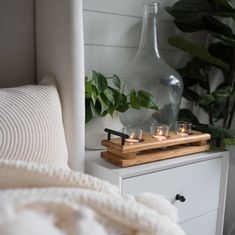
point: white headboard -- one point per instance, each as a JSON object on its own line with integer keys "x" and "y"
{"x": 38, "y": 37}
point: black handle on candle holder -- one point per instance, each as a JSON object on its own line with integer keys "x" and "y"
{"x": 117, "y": 133}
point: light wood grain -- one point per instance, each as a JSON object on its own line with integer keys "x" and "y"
{"x": 151, "y": 143}
{"x": 123, "y": 155}
{"x": 153, "y": 155}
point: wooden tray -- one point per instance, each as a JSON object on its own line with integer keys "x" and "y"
{"x": 151, "y": 150}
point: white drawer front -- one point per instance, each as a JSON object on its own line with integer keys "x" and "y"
{"x": 199, "y": 183}
{"x": 203, "y": 225}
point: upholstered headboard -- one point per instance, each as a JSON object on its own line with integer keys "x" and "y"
{"x": 38, "y": 37}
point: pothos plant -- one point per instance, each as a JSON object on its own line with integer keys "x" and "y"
{"x": 105, "y": 95}
{"x": 219, "y": 103}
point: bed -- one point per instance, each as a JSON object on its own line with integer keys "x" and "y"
{"x": 43, "y": 189}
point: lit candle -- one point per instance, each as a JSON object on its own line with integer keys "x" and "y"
{"x": 159, "y": 132}
{"x": 182, "y": 132}
{"x": 159, "y": 137}
{"x": 183, "y": 128}
{"x": 132, "y": 140}
{"x": 135, "y": 135}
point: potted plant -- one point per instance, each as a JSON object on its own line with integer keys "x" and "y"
{"x": 104, "y": 98}
{"x": 217, "y": 56}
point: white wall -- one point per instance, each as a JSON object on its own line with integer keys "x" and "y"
{"x": 112, "y": 33}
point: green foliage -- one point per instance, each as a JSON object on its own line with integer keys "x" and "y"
{"x": 196, "y": 50}
{"x": 102, "y": 98}
{"x": 208, "y": 15}
{"x": 188, "y": 116}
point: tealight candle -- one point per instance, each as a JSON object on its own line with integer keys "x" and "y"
{"x": 159, "y": 131}
{"x": 183, "y": 128}
{"x": 135, "y": 135}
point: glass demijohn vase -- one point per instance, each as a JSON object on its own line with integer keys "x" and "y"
{"x": 150, "y": 73}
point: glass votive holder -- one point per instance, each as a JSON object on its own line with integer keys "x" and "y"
{"x": 159, "y": 131}
{"x": 135, "y": 134}
{"x": 183, "y": 128}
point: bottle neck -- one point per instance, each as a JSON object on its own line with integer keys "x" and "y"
{"x": 149, "y": 37}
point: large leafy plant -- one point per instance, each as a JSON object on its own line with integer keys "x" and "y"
{"x": 105, "y": 95}
{"x": 208, "y": 15}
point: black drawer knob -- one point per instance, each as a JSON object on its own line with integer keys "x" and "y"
{"x": 180, "y": 198}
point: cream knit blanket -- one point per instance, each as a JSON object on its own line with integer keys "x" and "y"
{"x": 80, "y": 204}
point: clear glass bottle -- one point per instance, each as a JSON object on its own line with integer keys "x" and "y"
{"x": 149, "y": 72}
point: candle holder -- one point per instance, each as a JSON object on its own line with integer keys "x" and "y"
{"x": 183, "y": 128}
{"x": 136, "y": 151}
{"x": 159, "y": 131}
{"x": 135, "y": 134}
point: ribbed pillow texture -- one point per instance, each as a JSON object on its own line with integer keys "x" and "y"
{"x": 31, "y": 127}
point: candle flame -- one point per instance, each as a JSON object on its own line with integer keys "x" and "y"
{"x": 160, "y": 132}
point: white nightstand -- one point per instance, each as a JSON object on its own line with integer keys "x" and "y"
{"x": 199, "y": 180}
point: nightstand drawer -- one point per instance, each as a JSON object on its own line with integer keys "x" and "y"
{"x": 203, "y": 225}
{"x": 198, "y": 183}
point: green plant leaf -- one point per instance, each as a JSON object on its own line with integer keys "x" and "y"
{"x": 213, "y": 25}
{"x": 187, "y": 115}
{"x": 229, "y": 141}
{"x": 222, "y": 51}
{"x": 116, "y": 81}
{"x": 134, "y": 101}
{"x": 190, "y": 95}
{"x": 226, "y": 40}
{"x": 222, "y": 93}
{"x": 197, "y": 51}
{"x": 232, "y": 98}
{"x": 94, "y": 94}
{"x": 109, "y": 95}
{"x": 190, "y": 10}
{"x": 193, "y": 72}
{"x": 102, "y": 99}
{"x": 100, "y": 81}
{"x": 146, "y": 100}
{"x": 95, "y": 109}
{"x": 88, "y": 114}
{"x": 117, "y": 100}
{"x": 190, "y": 15}
{"x": 88, "y": 89}
{"x": 103, "y": 103}
{"x": 206, "y": 100}
{"x": 216, "y": 132}
{"x": 219, "y": 109}
{"x": 123, "y": 104}
{"x": 225, "y": 6}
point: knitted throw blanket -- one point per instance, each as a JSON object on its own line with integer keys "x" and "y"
{"x": 36, "y": 199}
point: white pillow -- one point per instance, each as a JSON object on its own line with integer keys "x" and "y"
{"x": 31, "y": 127}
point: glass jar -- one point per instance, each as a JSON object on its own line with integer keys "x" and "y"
{"x": 149, "y": 72}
